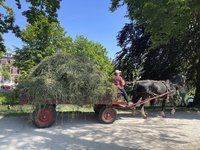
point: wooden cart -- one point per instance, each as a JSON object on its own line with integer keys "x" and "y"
{"x": 45, "y": 115}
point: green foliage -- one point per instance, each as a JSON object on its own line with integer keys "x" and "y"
{"x": 42, "y": 39}
{"x": 8, "y": 98}
{"x": 170, "y": 21}
{"x": 66, "y": 77}
{"x": 38, "y": 8}
{"x": 166, "y": 19}
{"x": 95, "y": 52}
{"x": 5, "y": 71}
{"x": 7, "y": 24}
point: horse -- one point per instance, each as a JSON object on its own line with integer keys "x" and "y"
{"x": 151, "y": 88}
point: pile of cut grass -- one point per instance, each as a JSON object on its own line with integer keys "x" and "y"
{"x": 67, "y": 77}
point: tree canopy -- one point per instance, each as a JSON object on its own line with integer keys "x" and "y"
{"x": 95, "y": 52}
{"x": 166, "y": 19}
{"x": 174, "y": 28}
{"x": 41, "y": 39}
{"x": 38, "y": 8}
{"x": 7, "y": 21}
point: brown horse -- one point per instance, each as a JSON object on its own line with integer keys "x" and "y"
{"x": 150, "y": 88}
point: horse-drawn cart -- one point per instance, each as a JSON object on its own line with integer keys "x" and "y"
{"x": 46, "y": 115}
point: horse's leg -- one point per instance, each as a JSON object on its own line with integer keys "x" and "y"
{"x": 163, "y": 107}
{"x": 142, "y": 106}
{"x": 134, "y": 108}
{"x": 142, "y": 111}
{"x": 133, "y": 111}
{"x": 173, "y": 102}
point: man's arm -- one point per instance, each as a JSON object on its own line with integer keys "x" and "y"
{"x": 122, "y": 82}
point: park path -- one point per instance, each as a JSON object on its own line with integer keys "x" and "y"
{"x": 85, "y": 132}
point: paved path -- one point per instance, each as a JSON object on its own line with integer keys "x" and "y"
{"x": 85, "y": 132}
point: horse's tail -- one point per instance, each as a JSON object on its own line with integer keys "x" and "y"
{"x": 135, "y": 92}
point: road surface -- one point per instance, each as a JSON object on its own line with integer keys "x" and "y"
{"x": 85, "y": 132}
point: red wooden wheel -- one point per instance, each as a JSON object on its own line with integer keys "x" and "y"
{"x": 44, "y": 116}
{"x": 107, "y": 114}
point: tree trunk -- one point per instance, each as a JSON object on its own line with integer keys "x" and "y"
{"x": 197, "y": 93}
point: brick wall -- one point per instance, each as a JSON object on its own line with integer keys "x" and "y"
{"x": 8, "y": 59}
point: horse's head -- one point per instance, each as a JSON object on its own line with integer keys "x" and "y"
{"x": 182, "y": 79}
{"x": 179, "y": 79}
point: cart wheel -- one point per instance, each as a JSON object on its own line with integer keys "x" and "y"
{"x": 107, "y": 115}
{"x": 96, "y": 109}
{"x": 44, "y": 117}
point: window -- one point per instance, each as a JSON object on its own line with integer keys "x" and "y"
{"x": 9, "y": 54}
{"x": 2, "y": 80}
{"x": 7, "y": 80}
{"x": 11, "y": 70}
{"x": 16, "y": 80}
{"x": 17, "y": 71}
{"x": 0, "y": 61}
{"x": 8, "y": 61}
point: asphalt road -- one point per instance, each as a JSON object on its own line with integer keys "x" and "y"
{"x": 85, "y": 132}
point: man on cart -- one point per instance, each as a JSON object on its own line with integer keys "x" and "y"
{"x": 119, "y": 83}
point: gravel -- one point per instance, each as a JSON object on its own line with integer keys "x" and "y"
{"x": 85, "y": 132}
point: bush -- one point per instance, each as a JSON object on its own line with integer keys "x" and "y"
{"x": 8, "y": 98}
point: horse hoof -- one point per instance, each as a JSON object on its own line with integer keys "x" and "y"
{"x": 171, "y": 114}
{"x": 145, "y": 117}
{"x": 164, "y": 116}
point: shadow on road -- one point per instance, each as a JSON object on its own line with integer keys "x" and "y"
{"x": 85, "y": 132}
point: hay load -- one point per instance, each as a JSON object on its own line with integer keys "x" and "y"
{"x": 66, "y": 77}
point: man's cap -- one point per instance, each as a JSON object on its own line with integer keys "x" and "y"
{"x": 117, "y": 71}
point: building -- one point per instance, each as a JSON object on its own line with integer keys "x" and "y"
{"x": 14, "y": 71}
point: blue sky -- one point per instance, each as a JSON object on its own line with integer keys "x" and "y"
{"x": 90, "y": 18}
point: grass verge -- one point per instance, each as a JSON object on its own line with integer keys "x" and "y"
{"x": 25, "y": 110}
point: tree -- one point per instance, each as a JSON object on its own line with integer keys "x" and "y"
{"x": 5, "y": 71}
{"x": 7, "y": 24}
{"x": 95, "y": 52}
{"x": 132, "y": 56}
{"x": 169, "y": 20}
{"x": 40, "y": 8}
{"x": 41, "y": 39}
